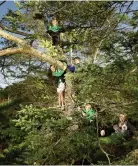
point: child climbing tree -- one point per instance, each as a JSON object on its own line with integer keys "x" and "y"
{"x": 60, "y": 90}
{"x": 54, "y": 30}
{"x": 109, "y": 89}
{"x": 88, "y": 112}
{"x": 59, "y": 74}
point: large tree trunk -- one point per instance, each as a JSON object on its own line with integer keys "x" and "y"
{"x": 69, "y": 101}
{"x": 26, "y": 49}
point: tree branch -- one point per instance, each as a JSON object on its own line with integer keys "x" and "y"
{"x": 27, "y": 49}
{"x": 11, "y": 51}
{"x": 99, "y": 143}
{"x": 14, "y": 31}
{"x": 12, "y": 38}
{"x": 2, "y": 3}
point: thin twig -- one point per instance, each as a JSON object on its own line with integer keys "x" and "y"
{"x": 2, "y": 3}
{"x": 106, "y": 154}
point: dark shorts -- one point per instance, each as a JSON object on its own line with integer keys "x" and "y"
{"x": 55, "y": 37}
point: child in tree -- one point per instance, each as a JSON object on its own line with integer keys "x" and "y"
{"x": 59, "y": 73}
{"x": 60, "y": 90}
{"x": 76, "y": 64}
{"x": 88, "y": 112}
{"x": 54, "y": 31}
{"x": 77, "y": 60}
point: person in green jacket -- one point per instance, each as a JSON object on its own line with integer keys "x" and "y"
{"x": 54, "y": 30}
{"x": 88, "y": 112}
{"x": 59, "y": 74}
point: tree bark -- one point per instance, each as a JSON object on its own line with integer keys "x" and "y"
{"x": 11, "y": 51}
{"x": 69, "y": 101}
{"x": 14, "y": 31}
{"x": 27, "y": 50}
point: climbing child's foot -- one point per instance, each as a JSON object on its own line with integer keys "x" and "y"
{"x": 62, "y": 107}
{"x": 58, "y": 106}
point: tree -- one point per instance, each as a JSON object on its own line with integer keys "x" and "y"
{"x": 111, "y": 86}
{"x": 99, "y": 24}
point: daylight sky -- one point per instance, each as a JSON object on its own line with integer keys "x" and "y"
{"x": 11, "y": 5}
{"x": 3, "y": 10}
{"x": 5, "y": 6}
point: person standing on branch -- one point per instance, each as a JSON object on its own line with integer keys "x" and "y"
{"x": 54, "y": 30}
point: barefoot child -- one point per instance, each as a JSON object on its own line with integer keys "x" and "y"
{"x": 60, "y": 90}
{"x": 59, "y": 74}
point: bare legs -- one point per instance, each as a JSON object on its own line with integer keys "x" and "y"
{"x": 60, "y": 98}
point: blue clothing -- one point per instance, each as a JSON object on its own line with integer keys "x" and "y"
{"x": 71, "y": 68}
